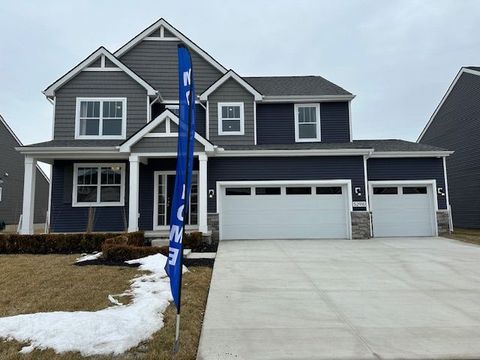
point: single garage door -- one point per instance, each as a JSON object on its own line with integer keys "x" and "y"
{"x": 284, "y": 211}
{"x": 403, "y": 209}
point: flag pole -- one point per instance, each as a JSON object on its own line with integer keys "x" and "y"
{"x": 176, "y": 345}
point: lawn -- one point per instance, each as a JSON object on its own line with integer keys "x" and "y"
{"x": 468, "y": 235}
{"x": 34, "y": 283}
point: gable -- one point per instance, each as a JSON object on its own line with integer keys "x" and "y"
{"x": 156, "y": 61}
{"x": 228, "y": 78}
{"x": 100, "y": 60}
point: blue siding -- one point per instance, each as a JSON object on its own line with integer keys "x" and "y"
{"x": 66, "y": 218}
{"x": 408, "y": 169}
{"x": 286, "y": 168}
{"x": 276, "y": 123}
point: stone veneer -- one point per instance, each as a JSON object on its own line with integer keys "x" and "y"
{"x": 443, "y": 222}
{"x": 212, "y": 223}
{"x": 361, "y": 225}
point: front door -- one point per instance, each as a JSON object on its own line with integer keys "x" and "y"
{"x": 163, "y": 194}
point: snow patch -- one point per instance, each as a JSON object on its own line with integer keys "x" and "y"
{"x": 113, "y": 330}
{"x": 88, "y": 257}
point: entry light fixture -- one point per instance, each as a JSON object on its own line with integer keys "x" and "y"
{"x": 358, "y": 191}
{"x": 211, "y": 193}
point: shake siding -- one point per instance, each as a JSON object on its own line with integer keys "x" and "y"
{"x": 409, "y": 169}
{"x": 285, "y": 168}
{"x": 231, "y": 91}
{"x": 156, "y": 62}
{"x": 276, "y": 123}
{"x": 161, "y": 144}
{"x": 457, "y": 127}
{"x": 99, "y": 84}
{"x": 65, "y": 218}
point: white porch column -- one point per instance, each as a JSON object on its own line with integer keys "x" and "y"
{"x": 202, "y": 193}
{"x": 28, "y": 195}
{"x": 133, "y": 187}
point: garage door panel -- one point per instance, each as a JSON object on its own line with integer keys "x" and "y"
{"x": 283, "y": 216}
{"x": 403, "y": 214}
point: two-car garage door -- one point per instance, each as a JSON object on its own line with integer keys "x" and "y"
{"x": 290, "y": 210}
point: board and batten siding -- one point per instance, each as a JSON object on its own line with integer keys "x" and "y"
{"x": 456, "y": 127}
{"x": 99, "y": 84}
{"x": 286, "y": 168}
{"x": 231, "y": 91}
{"x": 276, "y": 123}
{"x": 156, "y": 62}
{"x": 383, "y": 169}
{"x": 66, "y": 218}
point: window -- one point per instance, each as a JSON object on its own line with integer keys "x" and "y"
{"x": 101, "y": 118}
{"x": 385, "y": 191}
{"x": 98, "y": 184}
{"x": 299, "y": 190}
{"x": 408, "y": 190}
{"x": 230, "y": 119}
{"x": 267, "y": 191}
{"x": 307, "y": 122}
{"x": 329, "y": 190}
{"x": 238, "y": 191}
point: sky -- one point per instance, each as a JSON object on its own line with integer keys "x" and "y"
{"x": 397, "y": 57}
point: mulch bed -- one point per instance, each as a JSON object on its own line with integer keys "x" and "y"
{"x": 186, "y": 262}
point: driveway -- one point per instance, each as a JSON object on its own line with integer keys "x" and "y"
{"x": 408, "y": 298}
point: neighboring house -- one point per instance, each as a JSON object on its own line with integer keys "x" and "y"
{"x": 274, "y": 156}
{"x": 455, "y": 124}
{"x": 11, "y": 182}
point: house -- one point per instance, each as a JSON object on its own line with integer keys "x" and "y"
{"x": 11, "y": 183}
{"x": 455, "y": 125}
{"x": 274, "y": 156}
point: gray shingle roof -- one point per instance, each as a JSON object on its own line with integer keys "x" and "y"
{"x": 77, "y": 143}
{"x": 294, "y": 85}
{"x": 476, "y": 68}
{"x": 392, "y": 145}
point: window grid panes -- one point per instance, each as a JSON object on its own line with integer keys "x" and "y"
{"x": 307, "y": 122}
{"x": 99, "y": 184}
{"x": 102, "y": 118}
{"x": 231, "y": 117}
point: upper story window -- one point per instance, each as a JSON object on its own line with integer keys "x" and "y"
{"x": 307, "y": 122}
{"x": 104, "y": 118}
{"x": 231, "y": 119}
{"x": 98, "y": 184}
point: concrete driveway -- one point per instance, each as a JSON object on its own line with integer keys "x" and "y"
{"x": 403, "y": 298}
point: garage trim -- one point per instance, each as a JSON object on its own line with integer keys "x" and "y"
{"x": 341, "y": 182}
{"x": 432, "y": 183}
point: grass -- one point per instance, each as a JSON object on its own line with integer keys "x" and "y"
{"x": 34, "y": 283}
{"x": 467, "y": 235}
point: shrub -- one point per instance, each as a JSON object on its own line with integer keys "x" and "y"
{"x": 61, "y": 243}
{"x": 124, "y": 252}
{"x": 192, "y": 240}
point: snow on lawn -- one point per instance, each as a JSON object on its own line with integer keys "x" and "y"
{"x": 88, "y": 257}
{"x": 111, "y": 330}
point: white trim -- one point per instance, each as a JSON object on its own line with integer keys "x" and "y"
{"x": 365, "y": 179}
{"x": 399, "y": 183}
{"x": 207, "y": 122}
{"x": 98, "y": 203}
{"x": 53, "y": 117}
{"x": 347, "y": 183}
{"x": 49, "y": 211}
{"x": 306, "y": 98}
{"x": 202, "y": 193}
{"x": 133, "y": 193}
{"x": 308, "y": 152}
{"x": 28, "y": 208}
{"x": 149, "y": 110}
{"x": 153, "y": 38}
{"x": 50, "y": 91}
{"x": 230, "y": 74}
{"x": 350, "y": 119}
{"x": 99, "y": 136}
{"x": 175, "y": 32}
{"x": 220, "y": 105}
{"x": 126, "y": 146}
{"x": 255, "y": 122}
{"x": 102, "y": 61}
{"x": 444, "y": 98}
{"x": 400, "y": 154}
{"x": 106, "y": 69}
{"x": 447, "y": 196}
{"x": 318, "y": 138}
{"x": 162, "y": 32}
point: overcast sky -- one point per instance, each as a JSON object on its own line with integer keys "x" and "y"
{"x": 398, "y": 57}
